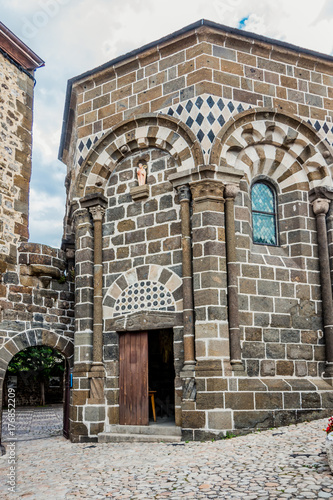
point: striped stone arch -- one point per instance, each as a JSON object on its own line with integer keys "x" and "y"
{"x": 145, "y": 288}
{"x": 279, "y": 146}
{"x": 33, "y": 338}
{"x": 153, "y": 130}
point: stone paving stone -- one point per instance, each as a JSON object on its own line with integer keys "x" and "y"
{"x": 287, "y": 464}
{"x": 34, "y": 422}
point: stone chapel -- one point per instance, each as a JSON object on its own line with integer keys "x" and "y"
{"x": 203, "y": 294}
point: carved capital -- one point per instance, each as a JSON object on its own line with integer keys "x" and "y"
{"x": 184, "y": 192}
{"x": 70, "y": 253}
{"x": 321, "y": 206}
{"x": 207, "y": 189}
{"x": 80, "y": 216}
{"x": 321, "y": 192}
{"x": 231, "y": 191}
{"x": 97, "y": 213}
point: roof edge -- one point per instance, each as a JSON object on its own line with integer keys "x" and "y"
{"x": 18, "y": 51}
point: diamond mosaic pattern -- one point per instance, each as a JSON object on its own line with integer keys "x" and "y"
{"x": 144, "y": 295}
{"x": 262, "y": 198}
{"x": 84, "y": 146}
{"x": 325, "y": 129}
{"x": 264, "y": 230}
{"x": 205, "y": 116}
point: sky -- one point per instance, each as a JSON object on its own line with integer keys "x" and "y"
{"x": 74, "y": 36}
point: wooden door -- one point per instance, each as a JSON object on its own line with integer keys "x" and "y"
{"x": 133, "y": 378}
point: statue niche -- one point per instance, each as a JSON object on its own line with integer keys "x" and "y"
{"x": 141, "y": 172}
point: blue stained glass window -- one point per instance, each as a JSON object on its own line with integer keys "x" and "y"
{"x": 264, "y": 224}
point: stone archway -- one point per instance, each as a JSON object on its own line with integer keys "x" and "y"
{"x": 168, "y": 293}
{"x": 32, "y": 338}
{"x": 153, "y": 130}
{"x": 279, "y": 146}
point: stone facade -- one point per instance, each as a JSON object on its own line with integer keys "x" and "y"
{"x": 36, "y": 296}
{"x": 15, "y": 151}
{"x": 211, "y": 111}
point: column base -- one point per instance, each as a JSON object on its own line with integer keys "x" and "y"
{"x": 328, "y": 373}
{"x": 97, "y": 376}
{"x": 97, "y": 370}
{"x": 237, "y": 366}
{"x": 187, "y": 371}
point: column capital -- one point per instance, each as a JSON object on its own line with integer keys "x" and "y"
{"x": 97, "y": 212}
{"x": 80, "y": 216}
{"x": 184, "y": 192}
{"x": 93, "y": 200}
{"x": 207, "y": 189}
{"x": 322, "y": 192}
{"x": 231, "y": 191}
{"x": 207, "y": 194}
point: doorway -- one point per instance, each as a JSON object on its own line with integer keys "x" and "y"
{"x": 37, "y": 382}
{"x": 146, "y": 367}
{"x": 161, "y": 374}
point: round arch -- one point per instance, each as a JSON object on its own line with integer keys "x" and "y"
{"x": 32, "y": 338}
{"x": 167, "y": 282}
{"x": 35, "y": 338}
{"x": 144, "y": 131}
{"x": 277, "y": 145}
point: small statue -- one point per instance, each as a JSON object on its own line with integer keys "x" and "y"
{"x": 141, "y": 172}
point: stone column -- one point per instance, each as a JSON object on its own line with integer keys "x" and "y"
{"x": 320, "y": 207}
{"x": 97, "y": 366}
{"x": 188, "y": 314}
{"x": 329, "y": 225}
{"x": 230, "y": 193}
{"x": 84, "y": 296}
{"x": 96, "y": 204}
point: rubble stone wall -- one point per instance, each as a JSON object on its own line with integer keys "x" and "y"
{"x": 15, "y": 158}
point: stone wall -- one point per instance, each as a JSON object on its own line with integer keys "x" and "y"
{"x": 202, "y": 78}
{"x": 15, "y": 153}
{"x": 28, "y": 390}
{"x": 36, "y": 305}
{"x": 211, "y": 112}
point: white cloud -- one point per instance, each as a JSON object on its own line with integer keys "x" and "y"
{"x": 79, "y": 35}
{"x": 47, "y": 212}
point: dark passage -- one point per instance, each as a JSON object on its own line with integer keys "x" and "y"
{"x": 161, "y": 373}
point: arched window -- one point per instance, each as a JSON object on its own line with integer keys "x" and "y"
{"x": 264, "y": 214}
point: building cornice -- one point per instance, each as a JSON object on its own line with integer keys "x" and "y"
{"x": 18, "y": 51}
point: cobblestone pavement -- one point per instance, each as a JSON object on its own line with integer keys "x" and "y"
{"x": 34, "y": 423}
{"x": 289, "y": 462}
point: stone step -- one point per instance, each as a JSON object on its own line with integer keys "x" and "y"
{"x": 114, "y": 437}
{"x": 153, "y": 429}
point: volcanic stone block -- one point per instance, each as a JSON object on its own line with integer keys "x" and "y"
{"x": 193, "y": 419}
{"x": 310, "y": 400}
{"x": 270, "y": 400}
{"x": 220, "y": 420}
{"x": 239, "y": 400}
{"x": 275, "y": 351}
{"x": 211, "y": 400}
{"x": 94, "y": 413}
{"x": 285, "y": 368}
{"x": 253, "y": 350}
{"x": 253, "y": 419}
{"x": 296, "y": 351}
{"x": 267, "y": 368}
